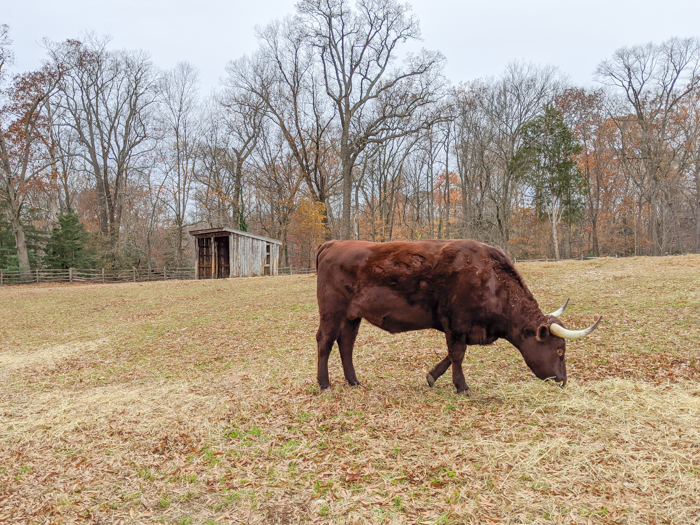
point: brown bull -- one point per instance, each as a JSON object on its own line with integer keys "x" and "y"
{"x": 466, "y": 289}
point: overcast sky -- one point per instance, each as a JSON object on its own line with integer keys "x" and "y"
{"x": 479, "y": 38}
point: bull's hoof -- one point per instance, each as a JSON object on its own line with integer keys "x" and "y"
{"x": 464, "y": 392}
{"x": 430, "y": 379}
{"x": 354, "y": 383}
{"x": 325, "y": 387}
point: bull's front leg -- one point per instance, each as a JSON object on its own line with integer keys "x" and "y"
{"x": 438, "y": 370}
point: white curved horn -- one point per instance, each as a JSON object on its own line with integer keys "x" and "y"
{"x": 557, "y": 313}
{"x": 562, "y": 332}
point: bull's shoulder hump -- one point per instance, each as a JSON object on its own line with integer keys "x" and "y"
{"x": 345, "y": 252}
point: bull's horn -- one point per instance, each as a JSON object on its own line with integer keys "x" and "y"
{"x": 562, "y": 332}
{"x": 557, "y": 313}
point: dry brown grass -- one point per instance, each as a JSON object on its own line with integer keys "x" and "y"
{"x": 195, "y": 402}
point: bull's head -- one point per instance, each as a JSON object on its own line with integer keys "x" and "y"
{"x": 545, "y": 350}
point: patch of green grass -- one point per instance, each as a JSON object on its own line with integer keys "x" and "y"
{"x": 303, "y": 417}
{"x": 146, "y": 474}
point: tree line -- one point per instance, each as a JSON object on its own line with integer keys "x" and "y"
{"x": 332, "y": 129}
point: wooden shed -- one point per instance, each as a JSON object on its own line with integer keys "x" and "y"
{"x": 225, "y": 252}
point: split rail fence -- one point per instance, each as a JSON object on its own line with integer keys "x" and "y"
{"x": 136, "y": 275}
{"x": 74, "y": 275}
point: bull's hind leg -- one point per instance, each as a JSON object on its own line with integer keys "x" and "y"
{"x": 326, "y": 336}
{"x": 456, "y": 346}
{"x": 346, "y": 343}
{"x": 438, "y": 370}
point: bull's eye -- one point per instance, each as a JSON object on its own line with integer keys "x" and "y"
{"x": 560, "y": 352}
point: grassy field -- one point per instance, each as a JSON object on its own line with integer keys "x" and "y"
{"x": 196, "y": 402}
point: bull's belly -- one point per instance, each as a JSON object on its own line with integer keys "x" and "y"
{"x": 391, "y": 312}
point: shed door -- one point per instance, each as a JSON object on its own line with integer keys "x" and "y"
{"x": 268, "y": 267}
{"x": 205, "y": 258}
{"x": 223, "y": 262}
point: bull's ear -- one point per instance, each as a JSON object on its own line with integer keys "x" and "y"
{"x": 542, "y": 332}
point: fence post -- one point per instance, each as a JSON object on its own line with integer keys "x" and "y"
{"x": 37, "y": 276}
{"x": 165, "y": 273}
{"x": 133, "y": 269}
{"x": 103, "y": 275}
{"x": 1, "y": 277}
{"x": 70, "y": 275}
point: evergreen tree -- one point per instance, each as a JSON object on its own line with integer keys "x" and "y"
{"x": 8, "y": 252}
{"x": 242, "y": 223}
{"x": 35, "y": 241}
{"x": 546, "y": 161}
{"x": 67, "y": 246}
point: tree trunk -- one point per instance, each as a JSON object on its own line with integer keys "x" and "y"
{"x": 326, "y": 214}
{"x": 653, "y": 223}
{"x": 431, "y": 201}
{"x": 21, "y": 244}
{"x": 447, "y": 185}
{"x": 346, "y": 162}
{"x": 238, "y": 193}
{"x": 555, "y": 240}
{"x": 465, "y": 210}
{"x": 638, "y": 227}
{"x": 697, "y": 212}
{"x": 594, "y": 234}
{"x": 554, "y": 218}
{"x": 18, "y": 231}
{"x": 15, "y": 209}
{"x": 504, "y": 218}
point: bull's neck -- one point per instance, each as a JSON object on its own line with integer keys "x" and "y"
{"x": 524, "y": 322}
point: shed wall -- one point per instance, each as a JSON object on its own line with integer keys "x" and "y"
{"x": 274, "y": 258}
{"x": 248, "y": 256}
{"x": 258, "y": 259}
{"x": 246, "y": 250}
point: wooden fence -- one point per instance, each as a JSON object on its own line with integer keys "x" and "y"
{"x": 74, "y": 275}
{"x": 292, "y": 270}
{"x": 136, "y": 275}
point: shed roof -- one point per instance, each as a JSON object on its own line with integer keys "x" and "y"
{"x": 209, "y": 231}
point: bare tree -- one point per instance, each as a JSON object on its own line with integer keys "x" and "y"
{"x": 690, "y": 125}
{"x": 586, "y": 114}
{"x": 381, "y": 183}
{"x": 215, "y": 181}
{"x": 278, "y": 182}
{"x": 473, "y": 138}
{"x": 283, "y": 76}
{"x": 180, "y": 120}
{"x": 509, "y": 104}
{"x": 357, "y": 48}
{"x": 7, "y": 57}
{"x": 23, "y": 131}
{"x": 243, "y": 117}
{"x": 107, "y": 97}
{"x": 653, "y": 80}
